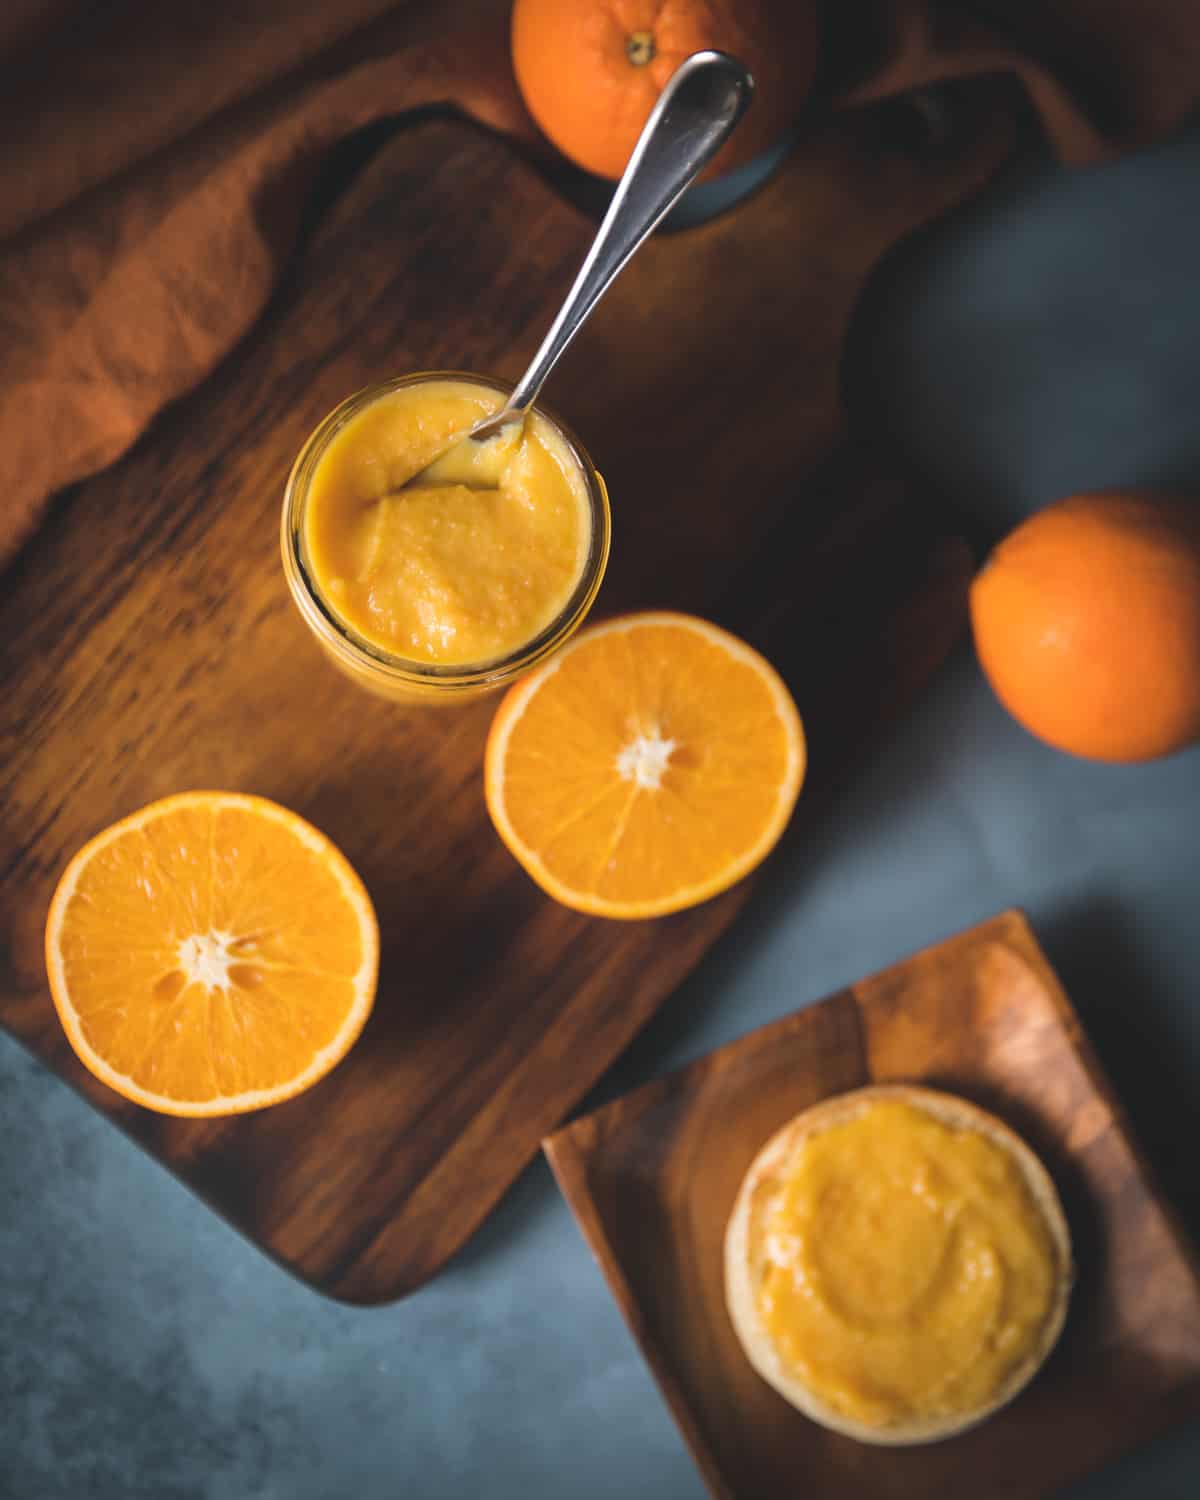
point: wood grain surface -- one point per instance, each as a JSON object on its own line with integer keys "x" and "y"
{"x": 652, "y": 1179}
{"x": 148, "y": 645}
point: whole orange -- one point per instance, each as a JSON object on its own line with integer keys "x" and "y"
{"x": 1087, "y": 624}
{"x": 591, "y": 70}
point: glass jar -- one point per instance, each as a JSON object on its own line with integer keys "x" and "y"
{"x": 372, "y": 666}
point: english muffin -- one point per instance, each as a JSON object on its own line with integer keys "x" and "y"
{"x": 897, "y": 1264}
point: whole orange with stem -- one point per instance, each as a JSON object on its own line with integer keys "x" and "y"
{"x": 1087, "y": 624}
{"x": 591, "y": 70}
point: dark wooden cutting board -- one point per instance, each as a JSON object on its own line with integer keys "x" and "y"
{"x": 148, "y": 645}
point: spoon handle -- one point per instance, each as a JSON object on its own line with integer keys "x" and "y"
{"x": 704, "y": 99}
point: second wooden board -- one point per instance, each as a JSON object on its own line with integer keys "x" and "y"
{"x": 652, "y": 1179}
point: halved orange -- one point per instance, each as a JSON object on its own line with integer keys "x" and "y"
{"x": 650, "y": 764}
{"x": 210, "y": 954}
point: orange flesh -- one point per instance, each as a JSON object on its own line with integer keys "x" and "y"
{"x": 668, "y": 759}
{"x": 208, "y": 953}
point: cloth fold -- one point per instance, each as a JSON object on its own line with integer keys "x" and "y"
{"x": 156, "y": 160}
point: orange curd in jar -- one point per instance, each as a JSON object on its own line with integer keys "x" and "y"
{"x": 450, "y": 583}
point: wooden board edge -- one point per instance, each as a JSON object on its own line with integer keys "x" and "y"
{"x": 553, "y": 1111}
{"x": 1008, "y": 926}
{"x": 569, "y": 1167}
{"x": 1023, "y": 939}
{"x": 685, "y": 1077}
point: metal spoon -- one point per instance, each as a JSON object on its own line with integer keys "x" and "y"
{"x": 704, "y": 99}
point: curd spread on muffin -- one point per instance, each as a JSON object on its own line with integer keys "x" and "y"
{"x": 906, "y": 1268}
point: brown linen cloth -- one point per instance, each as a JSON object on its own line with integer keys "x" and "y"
{"x": 154, "y": 160}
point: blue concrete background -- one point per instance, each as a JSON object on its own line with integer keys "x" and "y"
{"x": 1044, "y": 340}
